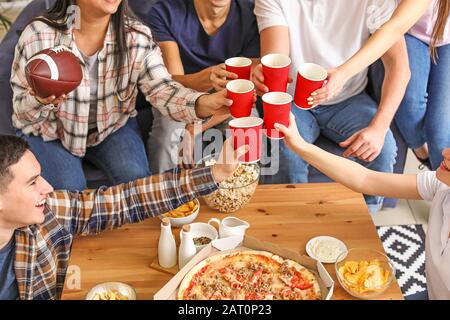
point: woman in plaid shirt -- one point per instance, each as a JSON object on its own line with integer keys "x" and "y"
{"x": 38, "y": 224}
{"x": 97, "y": 120}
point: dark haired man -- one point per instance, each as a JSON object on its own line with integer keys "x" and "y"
{"x": 37, "y": 224}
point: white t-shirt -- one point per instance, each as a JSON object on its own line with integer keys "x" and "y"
{"x": 326, "y": 32}
{"x": 437, "y": 252}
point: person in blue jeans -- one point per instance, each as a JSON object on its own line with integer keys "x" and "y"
{"x": 320, "y": 32}
{"x": 424, "y": 115}
{"x": 196, "y": 37}
{"x": 122, "y": 149}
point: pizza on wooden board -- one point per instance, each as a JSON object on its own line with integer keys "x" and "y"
{"x": 249, "y": 275}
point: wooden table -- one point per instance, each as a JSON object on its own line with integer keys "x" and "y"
{"x": 288, "y": 215}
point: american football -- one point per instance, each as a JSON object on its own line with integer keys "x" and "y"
{"x": 54, "y": 71}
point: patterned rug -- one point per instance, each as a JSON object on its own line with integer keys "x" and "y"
{"x": 405, "y": 246}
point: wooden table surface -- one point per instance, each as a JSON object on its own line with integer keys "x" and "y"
{"x": 287, "y": 215}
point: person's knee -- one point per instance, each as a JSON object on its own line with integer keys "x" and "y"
{"x": 412, "y": 101}
{"x": 75, "y": 181}
{"x": 79, "y": 185}
{"x": 166, "y": 130}
{"x": 132, "y": 172}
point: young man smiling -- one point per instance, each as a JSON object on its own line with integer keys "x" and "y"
{"x": 37, "y": 224}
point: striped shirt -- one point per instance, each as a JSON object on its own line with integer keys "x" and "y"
{"x": 143, "y": 69}
{"x": 43, "y": 251}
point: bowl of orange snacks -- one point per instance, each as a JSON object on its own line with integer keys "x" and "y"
{"x": 184, "y": 214}
{"x": 364, "y": 273}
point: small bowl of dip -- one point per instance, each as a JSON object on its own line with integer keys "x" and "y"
{"x": 326, "y": 249}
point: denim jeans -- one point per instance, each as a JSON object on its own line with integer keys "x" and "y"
{"x": 121, "y": 156}
{"x": 424, "y": 114}
{"x": 336, "y": 122}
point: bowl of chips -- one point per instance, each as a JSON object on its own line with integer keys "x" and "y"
{"x": 184, "y": 214}
{"x": 111, "y": 291}
{"x": 364, "y": 273}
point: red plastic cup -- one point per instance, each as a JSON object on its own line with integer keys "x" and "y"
{"x": 248, "y": 131}
{"x": 277, "y": 107}
{"x": 275, "y": 68}
{"x": 242, "y": 94}
{"x": 240, "y": 66}
{"x": 310, "y": 77}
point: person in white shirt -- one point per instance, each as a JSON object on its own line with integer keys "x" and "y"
{"x": 341, "y": 36}
{"x": 431, "y": 185}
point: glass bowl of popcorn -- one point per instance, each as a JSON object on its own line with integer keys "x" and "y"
{"x": 364, "y": 273}
{"x": 236, "y": 191}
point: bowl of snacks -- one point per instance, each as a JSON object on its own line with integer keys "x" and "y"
{"x": 184, "y": 214}
{"x": 236, "y": 191}
{"x": 202, "y": 234}
{"x": 111, "y": 291}
{"x": 364, "y": 273}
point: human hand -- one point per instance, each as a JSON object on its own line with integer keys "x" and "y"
{"x": 213, "y": 104}
{"x": 293, "y": 139}
{"x": 228, "y": 160}
{"x": 365, "y": 144}
{"x": 335, "y": 82}
{"x": 219, "y": 76}
{"x": 56, "y": 101}
{"x": 258, "y": 80}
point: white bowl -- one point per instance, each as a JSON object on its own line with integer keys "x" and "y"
{"x": 337, "y": 242}
{"x": 179, "y": 222}
{"x": 122, "y": 288}
{"x": 201, "y": 229}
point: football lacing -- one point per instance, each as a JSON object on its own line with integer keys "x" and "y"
{"x": 60, "y": 49}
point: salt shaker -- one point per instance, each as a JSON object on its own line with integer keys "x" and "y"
{"x": 187, "y": 247}
{"x": 167, "y": 248}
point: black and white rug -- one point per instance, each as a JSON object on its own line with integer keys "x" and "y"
{"x": 405, "y": 246}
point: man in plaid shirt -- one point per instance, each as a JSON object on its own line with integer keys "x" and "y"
{"x": 38, "y": 224}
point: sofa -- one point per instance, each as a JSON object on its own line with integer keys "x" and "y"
{"x": 96, "y": 177}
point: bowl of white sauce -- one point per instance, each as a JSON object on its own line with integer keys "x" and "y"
{"x": 326, "y": 249}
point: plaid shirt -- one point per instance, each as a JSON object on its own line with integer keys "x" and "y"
{"x": 43, "y": 251}
{"x": 143, "y": 69}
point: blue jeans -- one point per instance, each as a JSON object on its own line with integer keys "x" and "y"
{"x": 336, "y": 122}
{"x": 424, "y": 114}
{"x": 121, "y": 156}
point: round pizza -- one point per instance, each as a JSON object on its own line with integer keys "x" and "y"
{"x": 249, "y": 275}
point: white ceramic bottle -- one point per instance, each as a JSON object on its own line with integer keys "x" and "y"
{"x": 187, "y": 247}
{"x": 167, "y": 248}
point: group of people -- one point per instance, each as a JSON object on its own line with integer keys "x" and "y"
{"x": 174, "y": 55}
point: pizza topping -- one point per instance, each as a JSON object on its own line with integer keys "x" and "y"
{"x": 244, "y": 273}
{"x": 231, "y": 277}
{"x": 217, "y": 295}
{"x": 286, "y": 270}
{"x": 301, "y": 283}
{"x": 202, "y": 271}
{"x": 259, "y": 296}
{"x": 255, "y": 266}
{"x": 295, "y": 280}
{"x": 256, "y": 276}
{"x": 290, "y": 294}
{"x": 209, "y": 290}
